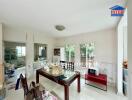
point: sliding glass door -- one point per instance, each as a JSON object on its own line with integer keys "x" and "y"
{"x": 70, "y": 53}
{"x": 86, "y": 53}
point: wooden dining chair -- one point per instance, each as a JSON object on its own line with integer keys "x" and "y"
{"x": 67, "y": 65}
{"x": 70, "y": 66}
{"x": 24, "y": 84}
{"x": 63, "y": 64}
{"x": 32, "y": 92}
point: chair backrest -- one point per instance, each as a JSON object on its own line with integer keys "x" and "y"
{"x": 34, "y": 92}
{"x": 70, "y": 66}
{"x": 63, "y": 64}
{"x": 67, "y": 65}
{"x": 24, "y": 84}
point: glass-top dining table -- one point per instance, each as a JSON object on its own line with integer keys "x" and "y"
{"x": 65, "y": 80}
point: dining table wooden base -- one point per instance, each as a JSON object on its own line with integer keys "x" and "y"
{"x": 64, "y": 82}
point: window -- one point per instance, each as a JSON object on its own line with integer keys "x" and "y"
{"x": 83, "y": 54}
{"x": 21, "y": 51}
{"x": 70, "y": 53}
{"x": 40, "y": 51}
{"x": 87, "y": 53}
{"x": 14, "y": 53}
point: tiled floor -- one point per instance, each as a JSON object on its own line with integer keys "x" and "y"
{"x": 87, "y": 92}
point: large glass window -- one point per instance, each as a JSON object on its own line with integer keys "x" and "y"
{"x": 87, "y": 53}
{"x": 40, "y": 51}
{"x": 21, "y": 51}
{"x": 83, "y": 54}
{"x": 15, "y": 53}
{"x": 70, "y": 53}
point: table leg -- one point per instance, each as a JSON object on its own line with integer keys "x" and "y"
{"x": 37, "y": 77}
{"x": 78, "y": 84}
{"x": 66, "y": 94}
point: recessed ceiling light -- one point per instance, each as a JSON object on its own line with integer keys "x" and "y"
{"x": 59, "y": 27}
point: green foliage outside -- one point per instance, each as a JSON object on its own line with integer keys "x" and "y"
{"x": 69, "y": 49}
{"x": 90, "y": 47}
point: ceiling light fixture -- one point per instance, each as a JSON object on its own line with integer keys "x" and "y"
{"x": 59, "y": 27}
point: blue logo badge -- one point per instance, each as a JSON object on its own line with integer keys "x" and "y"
{"x": 117, "y": 10}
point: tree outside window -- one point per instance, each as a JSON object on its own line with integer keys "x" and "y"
{"x": 87, "y": 53}
{"x": 70, "y": 53}
{"x": 21, "y": 51}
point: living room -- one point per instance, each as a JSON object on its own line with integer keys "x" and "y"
{"x": 92, "y": 44}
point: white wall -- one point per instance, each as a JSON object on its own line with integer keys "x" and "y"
{"x": 105, "y": 51}
{"x": 1, "y": 39}
{"x": 42, "y": 38}
{"x": 29, "y": 37}
{"x": 125, "y": 43}
{"x": 120, "y": 60}
{"x": 15, "y": 35}
{"x": 1, "y": 57}
{"x": 122, "y": 51}
{"x": 29, "y": 54}
{"x": 130, "y": 47}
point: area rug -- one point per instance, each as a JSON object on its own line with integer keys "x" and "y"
{"x": 12, "y": 86}
{"x": 52, "y": 92}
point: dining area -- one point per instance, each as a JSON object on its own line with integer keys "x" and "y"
{"x": 35, "y": 88}
{"x": 65, "y": 78}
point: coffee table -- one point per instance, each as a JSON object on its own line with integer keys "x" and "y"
{"x": 70, "y": 76}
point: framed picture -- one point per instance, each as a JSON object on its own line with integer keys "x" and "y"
{"x": 57, "y": 52}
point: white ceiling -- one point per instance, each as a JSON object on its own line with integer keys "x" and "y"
{"x": 78, "y": 16}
